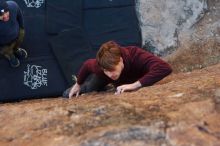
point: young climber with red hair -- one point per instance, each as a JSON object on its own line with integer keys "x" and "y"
{"x": 127, "y": 68}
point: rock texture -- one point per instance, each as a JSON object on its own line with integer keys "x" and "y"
{"x": 195, "y": 55}
{"x": 166, "y": 25}
{"x": 182, "y": 110}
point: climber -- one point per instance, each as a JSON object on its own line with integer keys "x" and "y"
{"x": 127, "y": 68}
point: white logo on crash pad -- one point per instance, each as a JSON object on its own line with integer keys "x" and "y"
{"x": 35, "y": 76}
{"x": 34, "y": 3}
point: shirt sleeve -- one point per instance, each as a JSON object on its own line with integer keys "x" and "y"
{"x": 85, "y": 71}
{"x": 152, "y": 67}
{"x": 20, "y": 18}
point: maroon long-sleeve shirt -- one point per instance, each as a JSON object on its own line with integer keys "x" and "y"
{"x": 139, "y": 65}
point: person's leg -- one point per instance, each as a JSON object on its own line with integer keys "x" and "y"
{"x": 19, "y": 39}
{"x": 94, "y": 83}
{"x": 20, "y": 52}
{"x": 7, "y": 52}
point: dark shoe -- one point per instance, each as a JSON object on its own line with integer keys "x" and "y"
{"x": 21, "y": 53}
{"x": 14, "y": 62}
{"x": 66, "y": 93}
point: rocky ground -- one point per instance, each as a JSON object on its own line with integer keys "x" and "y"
{"x": 181, "y": 110}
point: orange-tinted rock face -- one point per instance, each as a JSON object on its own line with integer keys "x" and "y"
{"x": 181, "y": 110}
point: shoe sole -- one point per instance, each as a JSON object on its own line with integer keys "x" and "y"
{"x": 66, "y": 93}
{"x": 25, "y": 52}
{"x": 14, "y": 66}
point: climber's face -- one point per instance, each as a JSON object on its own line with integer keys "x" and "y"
{"x": 115, "y": 73}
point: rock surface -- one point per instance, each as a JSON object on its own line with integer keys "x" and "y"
{"x": 181, "y": 110}
{"x": 166, "y": 25}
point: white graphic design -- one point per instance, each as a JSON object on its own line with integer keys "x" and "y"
{"x": 34, "y": 3}
{"x": 35, "y": 76}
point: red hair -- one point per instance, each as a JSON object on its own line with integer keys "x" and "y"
{"x": 108, "y": 55}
